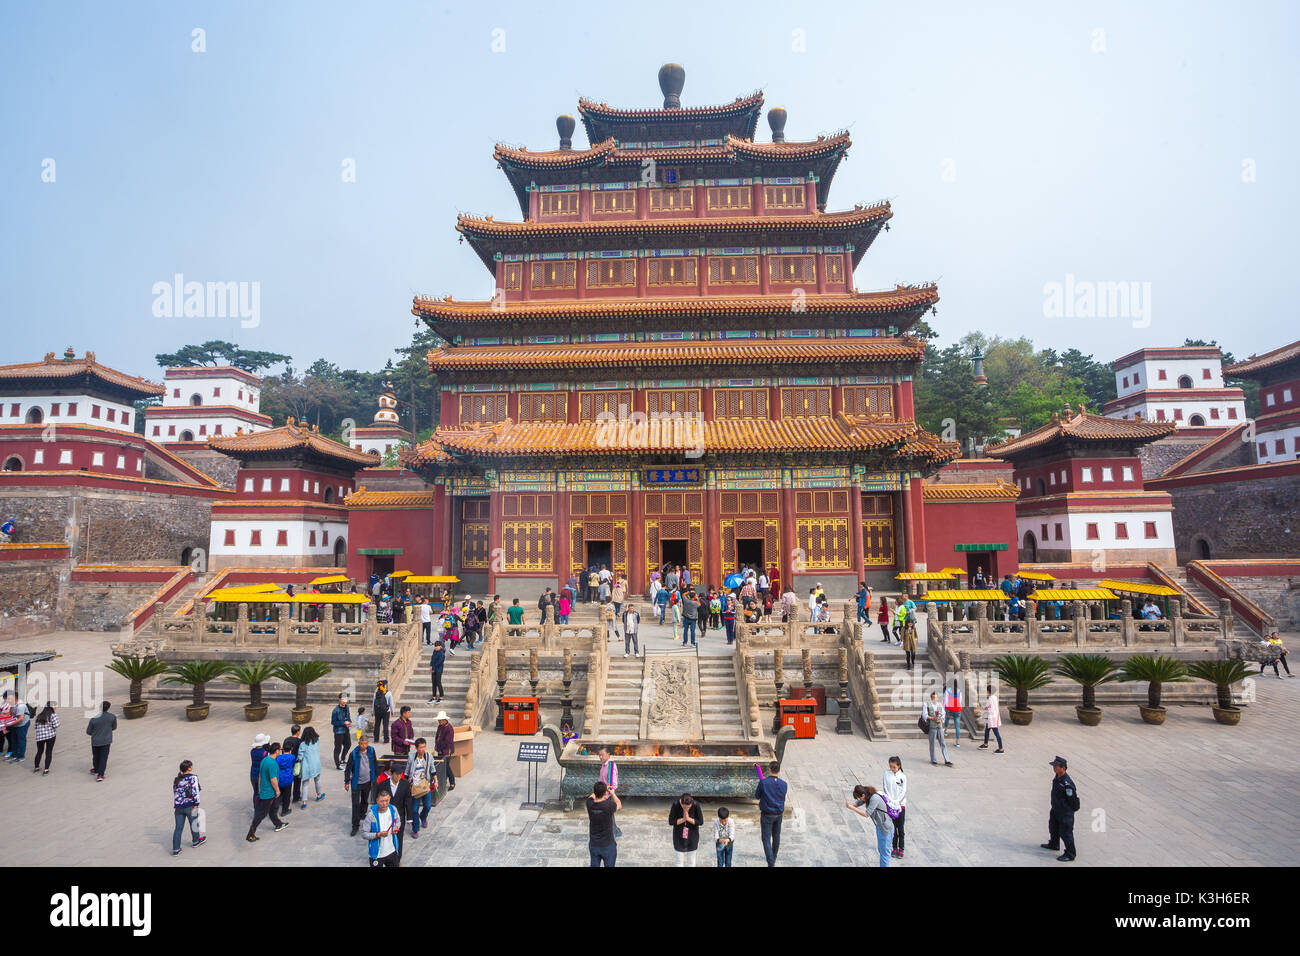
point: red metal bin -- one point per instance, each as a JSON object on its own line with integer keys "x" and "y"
{"x": 801, "y": 715}
{"x": 522, "y": 715}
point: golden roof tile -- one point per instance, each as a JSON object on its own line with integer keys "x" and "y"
{"x": 1258, "y": 363}
{"x": 290, "y": 437}
{"x": 971, "y": 491}
{"x": 1079, "y": 425}
{"x": 71, "y": 367}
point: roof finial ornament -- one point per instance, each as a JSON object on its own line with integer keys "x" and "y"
{"x": 776, "y": 118}
{"x": 69, "y": 354}
{"x": 564, "y": 125}
{"x": 672, "y": 77}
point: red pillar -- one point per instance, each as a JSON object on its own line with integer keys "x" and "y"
{"x": 788, "y": 537}
{"x": 914, "y": 525}
{"x": 855, "y": 528}
{"x": 760, "y": 196}
{"x": 495, "y": 553}
{"x": 638, "y": 575}
{"x": 441, "y": 532}
{"x": 560, "y": 536}
{"x": 713, "y": 569}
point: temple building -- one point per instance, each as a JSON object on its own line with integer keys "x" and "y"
{"x": 1277, "y": 427}
{"x": 674, "y": 366}
{"x": 385, "y": 435}
{"x": 1081, "y": 491}
{"x": 200, "y": 402}
{"x": 1183, "y": 385}
{"x": 288, "y": 508}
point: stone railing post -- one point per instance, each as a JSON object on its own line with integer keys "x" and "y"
{"x": 1229, "y": 622}
{"x": 549, "y": 630}
{"x": 241, "y": 624}
{"x": 155, "y": 623}
{"x": 1079, "y": 619}
{"x": 1177, "y": 626}
{"x": 1126, "y": 621}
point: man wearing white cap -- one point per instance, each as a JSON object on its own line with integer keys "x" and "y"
{"x": 444, "y": 745}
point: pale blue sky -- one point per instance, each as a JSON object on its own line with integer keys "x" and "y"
{"x": 1122, "y": 165}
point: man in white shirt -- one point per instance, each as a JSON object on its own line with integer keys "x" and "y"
{"x": 382, "y": 833}
{"x": 426, "y": 620}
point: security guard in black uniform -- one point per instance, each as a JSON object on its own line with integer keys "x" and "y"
{"x": 1065, "y": 801}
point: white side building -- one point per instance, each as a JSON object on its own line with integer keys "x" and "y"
{"x": 1183, "y": 385}
{"x": 203, "y": 401}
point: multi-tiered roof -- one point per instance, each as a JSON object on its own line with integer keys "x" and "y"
{"x": 830, "y": 329}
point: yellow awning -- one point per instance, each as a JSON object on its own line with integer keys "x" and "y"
{"x": 965, "y": 596}
{"x": 247, "y": 588}
{"x": 1139, "y": 587}
{"x": 329, "y": 579}
{"x": 1073, "y": 594}
{"x": 923, "y": 576}
{"x": 954, "y": 571}
{"x": 236, "y": 596}
{"x": 330, "y": 599}
{"x": 1035, "y": 576}
{"x": 432, "y": 579}
{"x": 401, "y": 574}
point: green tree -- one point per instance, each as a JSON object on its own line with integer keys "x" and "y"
{"x": 220, "y": 353}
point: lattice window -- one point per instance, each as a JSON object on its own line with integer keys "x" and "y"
{"x": 784, "y": 197}
{"x": 672, "y": 271}
{"x": 526, "y": 546}
{"x": 805, "y": 402}
{"x": 803, "y": 502}
{"x": 877, "y": 504}
{"x": 606, "y": 201}
{"x": 749, "y": 503}
{"x": 878, "y": 542}
{"x": 869, "y": 400}
{"x": 476, "y": 509}
{"x": 839, "y": 502}
{"x": 680, "y": 400}
{"x": 484, "y": 407}
{"x": 558, "y": 204}
{"x": 474, "y": 544}
{"x": 543, "y": 406}
{"x": 618, "y": 504}
{"x": 740, "y": 403}
{"x": 834, "y": 266}
{"x": 669, "y": 200}
{"x": 526, "y": 506}
{"x": 792, "y": 269}
{"x": 654, "y": 504}
{"x": 728, "y": 197}
{"x": 512, "y": 277}
{"x": 771, "y": 502}
{"x": 604, "y": 273}
{"x": 730, "y": 502}
{"x": 824, "y": 542}
{"x": 592, "y": 404}
{"x": 560, "y": 274}
{"x": 733, "y": 270}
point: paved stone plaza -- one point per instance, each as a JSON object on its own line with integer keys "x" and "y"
{"x": 1188, "y": 793}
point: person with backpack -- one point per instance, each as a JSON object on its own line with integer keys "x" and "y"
{"x": 715, "y": 610}
{"x": 909, "y": 645}
{"x": 268, "y": 793}
{"x": 894, "y": 786}
{"x": 870, "y": 803}
{"x": 47, "y": 727}
{"x": 383, "y": 711}
{"x": 285, "y": 761}
{"x": 422, "y": 774}
{"x": 661, "y": 603}
{"x": 932, "y": 719}
{"x": 185, "y": 805}
{"x": 882, "y": 618}
{"x": 383, "y": 832}
{"x": 952, "y": 710}
{"x": 393, "y": 781}
{"x": 359, "y": 776}
{"x": 729, "y": 618}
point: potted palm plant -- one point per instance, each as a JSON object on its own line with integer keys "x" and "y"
{"x": 300, "y": 674}
{"x": 198, "y": 674}
{"x": 1156, "y": 671}
{"x": 1089, "y": 671}
{"x": 137, "y": 670}
{"x": 254, "y": 674}
{"x": 1222, "y": 674}
{"x": 1024, "y": 672}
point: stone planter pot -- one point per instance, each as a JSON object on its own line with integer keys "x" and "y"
{"x": 197, "y": 711}
{"x": 1152, "y": 715}
{"x": 1227, "y": 715}
{"x": 256, "y": 711}
{"x": 133, "y": 711}
{"x": 302, "y": 716}
{"x": 1088, "y": 716}
{"x": 1021, "y": 718}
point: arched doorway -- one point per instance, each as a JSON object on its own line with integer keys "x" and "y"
{"x": 187, "y": 555}
{"x": 340, "y": 552}
{"x": 1196, "y": 420}
{"x": 329, "y": 494}
{"x": 1031, "y": 548}
{"x": 196, "y": 399}
{"x": 1042, "y": 487}
{"x": 1184, "y": 381}
{"x": 13, "y": 463}
{"x": 187, "y": 436}
{"x": 35, "y": 416}
{"x": 1202, "y": 549}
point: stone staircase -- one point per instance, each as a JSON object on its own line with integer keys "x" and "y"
{"x": 1194, "y": 588}
{"x": 719, "y": 699}
{"x": 899, "y": 710}
{"x": 185, "y": 595}
{"x": 621, "y": 717}
{"x": 455, "y": 685}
